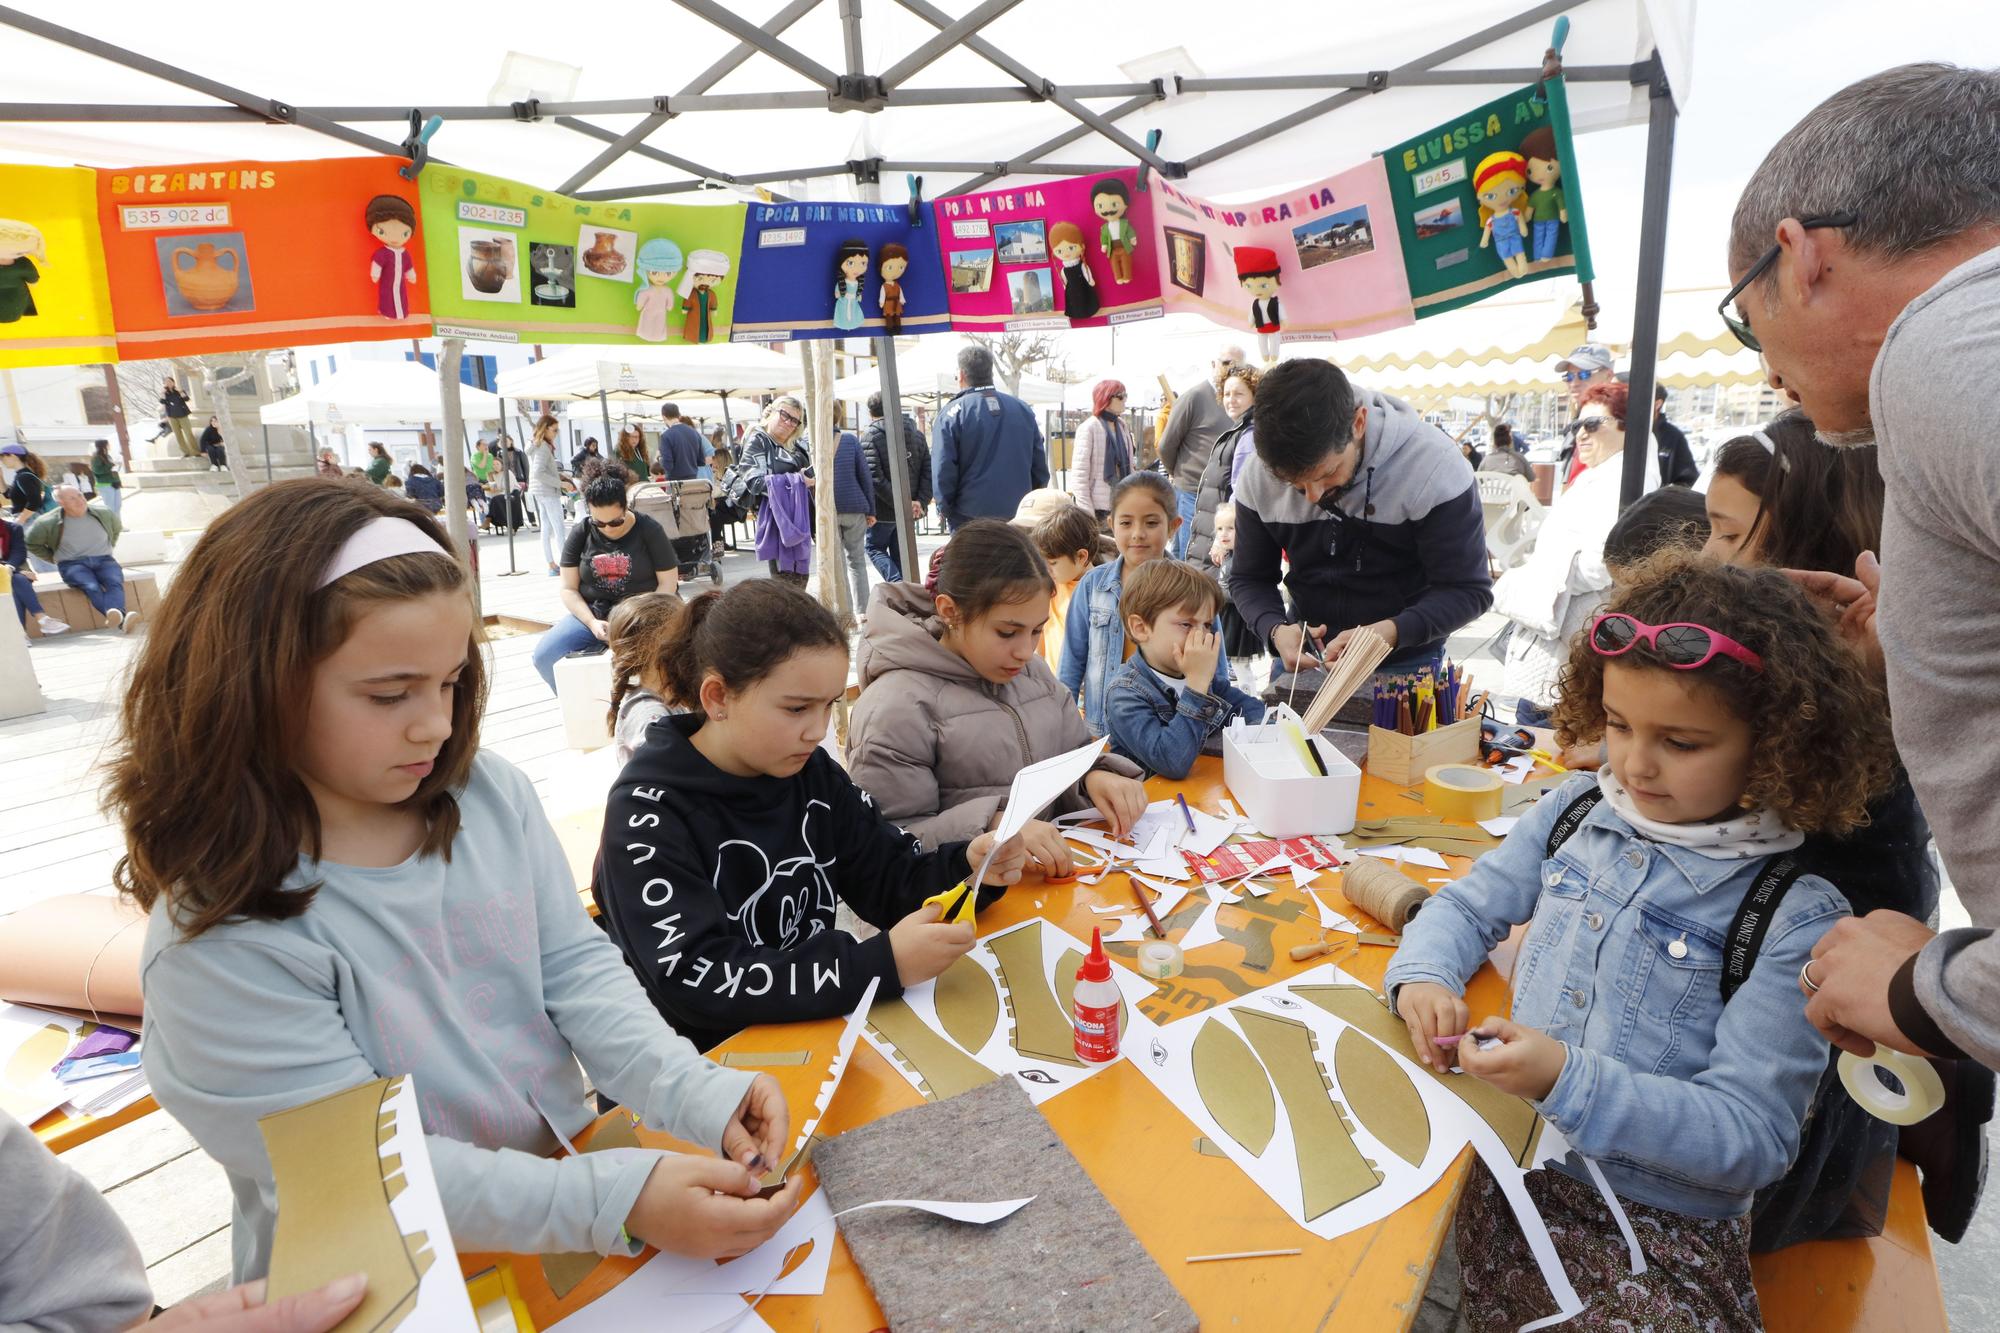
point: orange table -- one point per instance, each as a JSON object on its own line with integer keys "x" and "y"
{"x": 59, "y": 1132}
{"x": 1137, "y": 1148}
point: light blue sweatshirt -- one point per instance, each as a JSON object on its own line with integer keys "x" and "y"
{"x": 484, "y": 978}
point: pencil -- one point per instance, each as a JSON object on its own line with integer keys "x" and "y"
{"x": 1240, "y": 1254}
{"x": 1152, "y": 917}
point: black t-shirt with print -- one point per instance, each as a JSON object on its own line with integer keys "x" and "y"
{"x": 610, "y": 569}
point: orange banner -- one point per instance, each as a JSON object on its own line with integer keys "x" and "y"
{"x": 228, "y": 256}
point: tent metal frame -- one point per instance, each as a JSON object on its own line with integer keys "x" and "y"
{"x": 854, "y": 89}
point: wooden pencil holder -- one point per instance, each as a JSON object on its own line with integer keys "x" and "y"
{"x": 1404, "y": 760}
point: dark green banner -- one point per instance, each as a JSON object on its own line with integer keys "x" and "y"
{"x": 1489, "y": 199}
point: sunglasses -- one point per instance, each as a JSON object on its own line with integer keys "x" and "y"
{"x": 1683, "y": 646}
{"x": 1737, "y": 324}
{"x": 602, "y": 523}
{"x": 1576, "y": 376}
{"x": 1590, "y": 425}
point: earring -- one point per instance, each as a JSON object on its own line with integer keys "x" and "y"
{"x": 1745, "y": 802}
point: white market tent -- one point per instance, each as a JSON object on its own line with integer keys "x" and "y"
{"x": 636, "y": 374}
{"x": 928, "y": 368}
{"x": 1006, "y": 92}
{"x": 402, "y": 391}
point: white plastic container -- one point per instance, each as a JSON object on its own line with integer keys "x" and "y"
{"x": 583, "y": 689}
{"x": 1264, "y": 771}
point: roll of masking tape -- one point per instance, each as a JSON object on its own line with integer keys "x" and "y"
{"x": 1923, "y": 1090}
{"x": 1159, "y": 960}
{"x": 1464, "y": 792}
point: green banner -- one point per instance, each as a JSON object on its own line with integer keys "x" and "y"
{"x": 515, "y": 262}
{"x": 1490, "y": 199}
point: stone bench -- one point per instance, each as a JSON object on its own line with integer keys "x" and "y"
{"x": 67, "y": 604}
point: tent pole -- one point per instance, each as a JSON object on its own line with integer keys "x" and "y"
{"x": 744, "y": 30}
{"x": 604, "y": 405}
{"x": 899, "y": 464}
{"x": 267, "y": 456}
{"x": 1063, "y": 140}
{"x": 454, "y": 460}
{"x": 1652, "y": 273}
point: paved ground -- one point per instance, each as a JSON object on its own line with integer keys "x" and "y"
{"x": 54, "y": 840}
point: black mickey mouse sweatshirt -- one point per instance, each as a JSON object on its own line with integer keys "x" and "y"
{"x": 721, "y": 890}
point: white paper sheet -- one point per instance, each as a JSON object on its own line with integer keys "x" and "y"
{"x": 33, "y": 1090}
{"x": 1302, "y": 878}
{"x": 1330, "y": 919}
{"x": 442, "y": 1303}
{"x": 1169, "y": 866}
{"x": 849, "y": 1035}
{"x": 1409, "y": 856}
{"x": 1256, "y": 888}
{"x": 1129, "y": 928}
{"x": 1204, "y": 931}
{"x": 1516, "y": 770}
{"x": 1500, "y": 825}
{"x": 1170, "y": 894}
{"x": 1210, "y": 832}
{"x": 1038, "y": 784}
{"x": 1040, "y": 1078}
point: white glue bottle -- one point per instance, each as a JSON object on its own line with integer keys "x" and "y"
{"x": 1096, "y": 1001}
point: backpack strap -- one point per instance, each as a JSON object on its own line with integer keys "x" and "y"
{"x": 1753, "y": 919}
{"x": 1572, "y": 818}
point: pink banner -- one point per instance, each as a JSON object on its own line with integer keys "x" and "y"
{"x": 1081, "y": 252}
{"x": 1322, "y": 261}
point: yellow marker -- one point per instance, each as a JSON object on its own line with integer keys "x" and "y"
{"x": 957, "y": 904}
{"x": 1548, "y": 759}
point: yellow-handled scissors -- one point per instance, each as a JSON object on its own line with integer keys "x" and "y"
{"x": 955, "y": 905}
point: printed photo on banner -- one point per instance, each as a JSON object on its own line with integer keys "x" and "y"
{"x": 1187, "y": 259}
{"x": 1030, "y": 292}
{"x": 205, "y": 275}
{"x": 1439, "y": 218}
{"x": 488, "y": 266}
{"x": 971, "y": 270}
{"x": 606, "y": 254}
{"x": 1488, "y": 199}
{"x": 1022, "y": 242}
{"x": 1340, "y": 236}
{"x": 553, "y": 267}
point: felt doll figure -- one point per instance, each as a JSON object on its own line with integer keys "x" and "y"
{"x": 892, "y": 261}
{"x": 392, "y": 222}
{"x": 659, "y": 263}
{"x": 1548, "y": 210}
{"x": 706, "y": 270}
{"x": 1111, "y": 201}
{"x": 1257, "y": 271}
{"x": 1079, "y": 284}
{"x": 849, "y": 266}
{"x": 1500, "y": 182}
{"x": 20, "y": 246}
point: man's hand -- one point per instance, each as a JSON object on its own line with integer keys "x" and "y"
{"x": 1853, "y": 601}
{"x": 1526, "y": 1063}
{"x": 1852, "y": 965}
{"x": 1287, "y": 641}
{"x": 1385, "y": 628}
{"x": 871, "y": 520}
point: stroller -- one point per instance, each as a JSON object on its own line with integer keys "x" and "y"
{"x": 681, "y": 507}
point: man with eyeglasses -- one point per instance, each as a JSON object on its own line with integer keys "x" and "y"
{"x": 1587, "y": 365}
{"x": 615, "y": 553}
{"x": 1865, "y": 257}
{"x": 1373, "y": 508}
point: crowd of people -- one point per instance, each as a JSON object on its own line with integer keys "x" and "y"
{"x": 1764, "y": 715}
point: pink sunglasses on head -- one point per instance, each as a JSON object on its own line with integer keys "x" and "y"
{"x": 1683, "y": 645}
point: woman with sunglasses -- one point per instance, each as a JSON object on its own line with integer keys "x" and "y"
{"x": 1550, "y": 598}
{"x": 775, "y": 448}
{"x": 615, "y": 553}
{"x": 1663, "y": 1048}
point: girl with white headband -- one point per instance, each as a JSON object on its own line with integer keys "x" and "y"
{"x": 358, "y": 892}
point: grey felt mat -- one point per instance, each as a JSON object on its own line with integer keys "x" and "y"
{"x": 1065, "y": 1261}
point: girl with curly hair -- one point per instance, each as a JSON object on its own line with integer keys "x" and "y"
{"x": 1736, "y": 724}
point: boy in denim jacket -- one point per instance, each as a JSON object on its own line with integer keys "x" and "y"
{"x": 1660, "y": 1037}
{"x": 1169, "y": 701}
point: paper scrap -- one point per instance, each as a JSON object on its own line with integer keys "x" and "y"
{"x": 1409, "y": 856}
{"x": 1210, "y": 832}
{"x": 1129, "y": 928}
{"x": 1203, "y": 932}
{"x": 1229, "y": 810}
{"x": 1330, "y": 919}
{"x": 1256, "y": 888}
{"x": 849, "y": 1035}
{"x": 1500, "y": 825}
{"x": 1302, "y": 878}
{"x": 1106, "y": 910}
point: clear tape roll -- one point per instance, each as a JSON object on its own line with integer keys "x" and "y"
{"x": 1464, "y": 792}
{"x": 1923, "y": 1090}
{"x": 1160, "y": 959}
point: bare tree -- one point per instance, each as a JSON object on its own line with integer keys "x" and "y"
{"x": 140, "y": 382}
{"x": 1016, "y": 353}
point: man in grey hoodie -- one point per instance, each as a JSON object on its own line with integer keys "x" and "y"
{"x": 1865, "y": 253}
{"x": 1374, "y": 509}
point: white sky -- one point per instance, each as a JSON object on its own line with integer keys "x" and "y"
{"x": 1759, "y": 65}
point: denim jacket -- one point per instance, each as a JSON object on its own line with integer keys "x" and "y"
{"x": 1687, "y": 1103}
{"x": 1164, "y": 730}
{"x": 1094, "y": 640}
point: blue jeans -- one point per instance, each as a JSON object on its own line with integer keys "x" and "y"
{"x": 1545, "y": 240}
{"x": 98, "y": 578}
{"x": 563, "y": 638}
{"x": 113, "y": 497}
{"x": 1187, "y": 502}
{"x": 883, "y": 552}
{"x": 26, "y": 601}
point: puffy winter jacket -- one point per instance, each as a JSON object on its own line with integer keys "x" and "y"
{"x": 1086, "y": 466}
{"x": 1216, "y": 487}
{"x": 936, "y": 744}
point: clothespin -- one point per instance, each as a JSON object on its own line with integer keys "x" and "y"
{"x": 418, "y": 146}
{"x": 955, "y": 905}
{"x": 1146, "y": 168}
{"x": 916, "y": 199}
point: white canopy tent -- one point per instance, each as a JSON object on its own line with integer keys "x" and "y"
{"x": 943, "y": 95}
{"x": 929, "y": 369}
{"x": 403, "y": 391}
{"x": 641, "y": 374}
